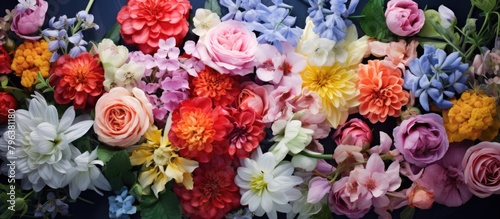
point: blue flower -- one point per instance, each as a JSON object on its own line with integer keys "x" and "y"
{"x": 121, "y": 206}
{"x": 436, "y": 75}
{"x": 242, "y": 213}
{"x": 330, "y": 22}
{"x": 53, "y": 206}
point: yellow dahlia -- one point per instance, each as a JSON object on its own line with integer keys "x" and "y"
{"x": 336, "y": 85}
{"x": 161, "y": 163}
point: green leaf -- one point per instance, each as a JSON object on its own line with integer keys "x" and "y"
{"x": 407, "y": 213}
{"x": 373, "y": 23}
{"x": 325, "y": 213}
{"x": 166, "y": 206}
{"x": 5, "y": 82}
{"x": 105, "y": 153}
{"x": 116, "y": 168}
{"x": 213, "y": 5}
{"x": 114, "y": 33}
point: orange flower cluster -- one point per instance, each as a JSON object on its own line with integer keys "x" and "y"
{"x": 221, "y": 88}
{"x": 30, "y": 58}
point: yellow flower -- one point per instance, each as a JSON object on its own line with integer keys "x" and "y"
{"x": 473, "y": 116}
{"x": 31, "y": 58}
{"x": 336, "y": 85}
{"x": 161, "y": 163}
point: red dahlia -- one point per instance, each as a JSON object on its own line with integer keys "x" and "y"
{"x": 145, "y": 22}
{"x": 248, "y": 132}
{"x": 78, "y": 79}
{"x": 214, "y": 193}
{"x": 5, "y": 61}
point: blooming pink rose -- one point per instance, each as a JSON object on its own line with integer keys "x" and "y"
{"x": 422, "y": 140}
{"x": 122, "y": 117}
{"x": 481, "y": 165}
{"x": 229, "y": 48}
{"x": 27, "y": 20}
{"x": 404, "y": 18}
{"x": 341, "y": 204}
{"x": 361, "y": 135}
{"x": 255, "y": 97}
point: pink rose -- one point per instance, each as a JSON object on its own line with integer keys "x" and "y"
{"x": 360, "y": 134}
{"x": 27, "y": 18}
{"x": 481, "y": 165}
{"x": 122, "y": 117}
{"x": 404, "y": 18}
{"x": 229, "y": 48}
{"x": 340, "y": 201}
{"x": 255, "y": 97}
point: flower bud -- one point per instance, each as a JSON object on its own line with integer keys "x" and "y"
{"x": 470, "y": 24}
{"x": 447, "y": 16}
{"x": 485, "y": 5}
{"x": 419, "y": 197}
{"x": 303, "y": 162}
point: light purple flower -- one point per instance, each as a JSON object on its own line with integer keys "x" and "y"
{"x": 340, "y": 202}
{"x": 318, "y": 188}
{"x": 422, "y": 139}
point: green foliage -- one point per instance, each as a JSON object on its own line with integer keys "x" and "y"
{"x": 373, "y": 23}
{"x": 21, "y": 204}
{"x": 213, "y": 5}
{"x": 114, "y": 33}
{"x": 166, "y": 206}
{"x": 43, "y": 84}
{"x": 325, "y": 213}
{"x": 117, "y": 167}
{"x": 407, "y": 213}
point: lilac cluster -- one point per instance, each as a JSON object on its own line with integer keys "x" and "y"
{"x": 52, "y": 206}
{"x": 274, "y": 22}
{"x": 166, "y": 79}
{"x": 331, "y": 18}
{"x": 435, "y": 75}
{"x": 68, "y": 30}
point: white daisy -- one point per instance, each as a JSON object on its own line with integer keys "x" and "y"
{"x": 266, "y": 185}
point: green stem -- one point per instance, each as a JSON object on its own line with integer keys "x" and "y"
{"x": 85, "y": 200}
{"x": 311, "y": 154}
{"x": 89, "y": 5}
{"x": 27, "y": 195}
{"x": 356, "y": 16}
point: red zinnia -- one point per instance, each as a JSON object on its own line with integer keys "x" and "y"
{"x": 198, "y": 130}
{"x": 78, "y": 79}
{"x": 5, "y": 61}
{"x": 247, "y": 132}
{"x": 145, "y": 22}
{"x": 8, "y": 104}
{"x": 214, "y": 193}
{"x": 221, "y": 88}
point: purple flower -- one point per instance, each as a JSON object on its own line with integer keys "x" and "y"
{"x": 341, "y": 204}
{"x": 446, "y": 177}
{"x": 422, "y": 139}
{"x": 27, "y": 17}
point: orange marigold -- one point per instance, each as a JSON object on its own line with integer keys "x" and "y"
{"x": 221, "y": 88}
{"x": 381, "y": 91}
{"x": 198, "y": 130}
{"x": 30, "y": 58}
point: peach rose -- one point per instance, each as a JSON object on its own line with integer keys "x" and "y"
{"x": 122, "y": 117}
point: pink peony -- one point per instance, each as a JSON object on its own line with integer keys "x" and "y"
{"x": 359, "y": 131}
{"x": 481, "y": 165}
{"x": 122, "y": 117}
{"x": 422, "y": 139}
{"x": 404, "y": 18}
{"x": 26, "y": 19}
{"x": 229, "y": 48}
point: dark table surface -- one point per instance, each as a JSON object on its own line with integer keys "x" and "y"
{"x": 105, "y": 16}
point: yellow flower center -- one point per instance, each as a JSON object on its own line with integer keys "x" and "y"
{"x": 257, "y": 184}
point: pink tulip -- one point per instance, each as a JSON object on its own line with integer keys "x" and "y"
{"x": 404, "y": 18}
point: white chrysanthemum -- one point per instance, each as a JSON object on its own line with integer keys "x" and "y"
{"x": 266, "y": 185}
{"x": 289, "y": 137}
{"x": 86, "y": 175}
{"x": 203, "y": 20}
{"x": 43, "y": 150}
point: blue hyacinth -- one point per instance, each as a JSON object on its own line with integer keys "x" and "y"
{"x": 436, "y": 75}
{"x": 121, "y": 206}
{"x": 330, "y": 18}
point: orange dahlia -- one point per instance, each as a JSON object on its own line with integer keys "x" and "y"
{"x": 145, "y": 22}
{"x": 78, "y": 79}
{"x": 381, "y": 91}
{"x": 221, "y": 88}
{"x": 214, "y": 194}
{"x": 198, "y": 130}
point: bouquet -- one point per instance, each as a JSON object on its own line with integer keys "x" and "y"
{"x": 234, "y": 111}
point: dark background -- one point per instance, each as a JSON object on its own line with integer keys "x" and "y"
{"x": 105, "y": 11}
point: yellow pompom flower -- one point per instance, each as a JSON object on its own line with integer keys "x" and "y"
{"x": 31, "y": 58}
{"x": 161, "y": 163}
{"x": 473, "y": 116}
{"x": 336, "y": 86}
